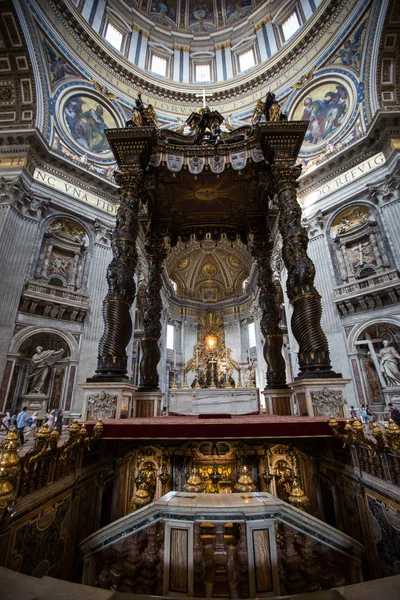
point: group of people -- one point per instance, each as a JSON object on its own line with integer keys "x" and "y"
{"x": 25, "y": 423}
{"x": 365, "y": 414}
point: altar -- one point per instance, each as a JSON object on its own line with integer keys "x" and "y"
{"x": 234, "y": 401}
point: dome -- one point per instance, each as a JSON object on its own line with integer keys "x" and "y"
{"x": 210, "y": 42}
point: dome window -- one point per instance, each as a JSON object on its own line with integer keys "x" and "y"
{"x": 290, "y": 26}
{"x": 203, "y": 72}
{"x": 158, "y": 65}
{"x": 170, "y": 337}
{"x": 251, "y": 328}
{"x": 247, "y": 60}
{"x": 114, "y": 36}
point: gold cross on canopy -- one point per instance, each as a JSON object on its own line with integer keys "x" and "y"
{"x": 204, "y": 95}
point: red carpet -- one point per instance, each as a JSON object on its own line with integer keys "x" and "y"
{"x": 248, "y": 426}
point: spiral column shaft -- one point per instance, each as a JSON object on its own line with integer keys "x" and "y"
{"x": 150, "y": 342}
{"x": 112, "y": 359}
{"x": 314, "y": 360}
{"x": 276, "y": 368}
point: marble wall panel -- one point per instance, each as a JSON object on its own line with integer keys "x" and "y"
{"x": 262, "y": 561}
{"x": 178, "y": 573}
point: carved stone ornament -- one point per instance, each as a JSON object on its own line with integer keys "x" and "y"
{"x": 327, "y": 402}
{"x": 102, "y": 406}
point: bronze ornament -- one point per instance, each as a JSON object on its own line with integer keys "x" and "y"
{"x": 156, "y": 253}
{"x": 261, "y": 249}
{"x": 314, "y": 358}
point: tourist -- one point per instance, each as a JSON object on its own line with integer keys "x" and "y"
{"x": 364, "y": 416}
{"x": 21, "y": 420}
{"x": 370, "y": 415}
{"x": 6, "y": 421}
{"x": 394, "y": 413}
{"x": 59, "y": 420}
{"x": 50, "y": 419}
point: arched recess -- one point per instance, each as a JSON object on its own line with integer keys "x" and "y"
{"x": 358, "y": 243}
{"x": 59, "y": 379}
{"x": 63, "y": 257}
{"x": 374, "y": 348}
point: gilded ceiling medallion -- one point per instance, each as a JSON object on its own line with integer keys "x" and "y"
{"x": 234, "y": 262}
{"x": 209, "y": 270}
{"x": 183, "y": 264}
{"x": 206, "y": 194}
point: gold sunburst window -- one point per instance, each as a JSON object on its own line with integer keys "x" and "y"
{"x": 211, "y": 342}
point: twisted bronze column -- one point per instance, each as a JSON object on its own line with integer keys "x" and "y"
{"x": 276, "y": 369}
{"x": 151, "y": 354}
{"x": 314, "y": 360}
{"x": 112, "y": 359}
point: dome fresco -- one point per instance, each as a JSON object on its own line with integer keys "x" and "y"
{"x": 198, "y": 16}
{"x": 319, "y": 72}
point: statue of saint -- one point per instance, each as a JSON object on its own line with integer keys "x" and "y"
{"x": 389, "y": 360}
{"x": 41, "y": 363}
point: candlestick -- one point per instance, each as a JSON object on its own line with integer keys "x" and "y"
{"x": 197, "y": 358}
{"x": 174, "y": 359}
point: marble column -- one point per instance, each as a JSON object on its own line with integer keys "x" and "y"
{"x": 112, "y": 358}
{"x": 314, "y": 359}
{"x": 150, "y": 342}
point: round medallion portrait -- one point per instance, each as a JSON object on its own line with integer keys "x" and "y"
{"x": 209, "y": 270}
{"x": 234, "y": 262}
{"x": 328, "y": 107}
{"x": 85, "y": 121}
{"x": 183, "y": 264}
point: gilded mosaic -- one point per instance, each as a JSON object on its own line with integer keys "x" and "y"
{"x": 86, "y": 121}
{"x": 327, "y": 107}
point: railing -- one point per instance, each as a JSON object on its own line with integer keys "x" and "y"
{"x": 232, "y": 545}
{"x": 376, "y": 452}
{"x": 364, "y": 286}
{"x": 45, "y": 463}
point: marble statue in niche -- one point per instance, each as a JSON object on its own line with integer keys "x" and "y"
{"x": 389, "y": 360}
{"x": 41, "y": 363}
{"x": 358, "y": 245}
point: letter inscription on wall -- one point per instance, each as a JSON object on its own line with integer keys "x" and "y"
{"x": 74, "y": 191}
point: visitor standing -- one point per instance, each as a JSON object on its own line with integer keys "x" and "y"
{"x": 394, "y": 413}
{"x": 21, "y": 420}
{"x": 50, "y": 419}
{"x": 59, "y": 420}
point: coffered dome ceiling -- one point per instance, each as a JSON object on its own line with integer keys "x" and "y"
{"x": 209, "y": 273}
